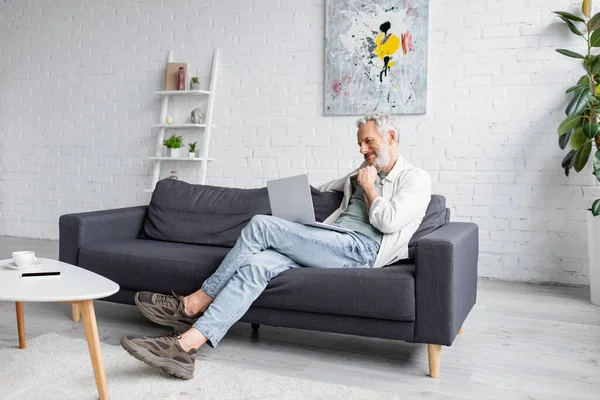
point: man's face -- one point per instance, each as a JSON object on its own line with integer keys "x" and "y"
{"x": 373, "y": 146}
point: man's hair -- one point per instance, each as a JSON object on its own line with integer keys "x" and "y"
{"x": 383, "y": 122}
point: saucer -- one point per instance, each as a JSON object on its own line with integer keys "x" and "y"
{"x": 12, "y": 265}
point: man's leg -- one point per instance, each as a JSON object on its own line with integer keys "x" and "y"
{"x": 283, "y": 245}
{"x": 297, "y": 241}
{"x": 287, "y": 243}
{"x": 174, "y": 354}
{"x": 238, "y": 294}
{"x": 180, "y": 312}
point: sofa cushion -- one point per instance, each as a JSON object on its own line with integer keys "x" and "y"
{"x": 151, "y": 264}
{"x": 211, "y": 215}
{"x": 384, "y": 293}
{"x": 325, "y": 203}
{"x": 387, "y": 293}
{"x": 436, "y": 216}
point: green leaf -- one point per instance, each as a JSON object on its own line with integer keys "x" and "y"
{"x": 572, "y": 26}
{"x": 595, "y": 39}
{"x": 577, "y": 87}
{"x": 592, "y": 63}
{"x": 596, "y": 208}
{"x": 569, "y": 16}
{"x": 595, "y": 64}
{"x": 568, "y": 161}
{"x": 586, "y": 7}
{"x": 579, "y": 102}
{"x": 577, "y": 139}
{"x": 597, "y": 165}
{"x": 569, "y": 53}
{"x": 564, "y": 139}
{"x": 582, "y": 156}
{"x": 568, "y": 124}
{"x": 595, "y": 22}
{"x": 590, "y": 129}
{"x": 584, "y": 80}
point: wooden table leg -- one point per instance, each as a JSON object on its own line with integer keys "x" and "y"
{"x": 76, "y": 312}
{"x": 91, "y": 334}
{"x": 20, "y": 324}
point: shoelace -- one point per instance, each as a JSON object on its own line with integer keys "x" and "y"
{"x": 166, "y": 300}
{"x": 174, "y": 334}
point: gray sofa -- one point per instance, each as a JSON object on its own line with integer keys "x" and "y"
{"x": 180, "y": 238}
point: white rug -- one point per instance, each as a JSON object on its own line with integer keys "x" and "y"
{"x": 57, "y": 367}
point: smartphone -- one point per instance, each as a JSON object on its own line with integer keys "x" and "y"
{"x": 40, "y": 274}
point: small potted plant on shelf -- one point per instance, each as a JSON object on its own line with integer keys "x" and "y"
{"x": 174, "y": 143}
{"x": 192, "y": 147}
{"x": 195, "y": 83}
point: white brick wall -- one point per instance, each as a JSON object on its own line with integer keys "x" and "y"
{"x": 76, "y": 101}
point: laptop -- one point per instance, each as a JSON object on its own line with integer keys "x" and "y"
{"x": 291, "y": 200}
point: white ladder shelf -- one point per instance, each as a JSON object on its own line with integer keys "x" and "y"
{"x": 206, "y": 126}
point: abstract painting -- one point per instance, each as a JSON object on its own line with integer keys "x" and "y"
{"x": 376, "y": 56}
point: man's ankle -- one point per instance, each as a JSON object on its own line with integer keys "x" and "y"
{"x": 189, "y": 306}
{"x": 193, "y": 339}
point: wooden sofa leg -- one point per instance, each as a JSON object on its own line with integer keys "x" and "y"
{"x": 255, "y": 327}
{"x": 460, "y": 331}
{"x": 434, "y": 351}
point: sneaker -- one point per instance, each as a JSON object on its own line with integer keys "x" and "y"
{"x": 163, "y": 352}
{"x": 165, "y": 310}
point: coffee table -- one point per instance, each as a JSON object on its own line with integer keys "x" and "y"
{"x": 75, "y": 286}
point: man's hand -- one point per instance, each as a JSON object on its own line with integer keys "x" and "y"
{"x": 367, "y": 176}
{"x": 366, "y": 179}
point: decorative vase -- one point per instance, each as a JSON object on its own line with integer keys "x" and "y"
{"x": 593, "y": 225}
{"x": 197, "y": 116}
{"x": 192, "y": 154}
{"x": 174, "y": 153}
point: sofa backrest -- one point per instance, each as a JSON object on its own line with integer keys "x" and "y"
{"x": 436, "y": 216}
{"x": 212, "y": 215}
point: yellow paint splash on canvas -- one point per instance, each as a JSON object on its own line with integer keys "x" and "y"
{"x": 387, "y": 49}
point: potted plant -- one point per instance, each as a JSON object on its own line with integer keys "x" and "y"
{"x": 580, "y": 131}
{"x": 192, "y": 147}
{"x": 174, "y": 143}
{"x": 195, "y": 83}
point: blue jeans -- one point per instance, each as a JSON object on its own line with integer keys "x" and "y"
{"x": 266, "y": 247}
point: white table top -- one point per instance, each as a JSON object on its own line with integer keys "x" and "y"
{"x": 74, "y": 283}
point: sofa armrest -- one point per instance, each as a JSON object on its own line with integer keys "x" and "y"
{"x": 76, "y": 230}
{"x": 445, "y": 281}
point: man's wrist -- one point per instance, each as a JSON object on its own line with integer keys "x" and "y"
{"x": 366, "y": 187}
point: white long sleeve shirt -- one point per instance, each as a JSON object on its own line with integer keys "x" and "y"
{"x": 397, "y": 213}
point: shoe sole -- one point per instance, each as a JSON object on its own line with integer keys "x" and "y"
{"x": 178, "y": 326}
{"x": 169, "y": 366}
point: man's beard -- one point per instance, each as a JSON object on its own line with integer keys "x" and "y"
{"x": 382, "y": 158}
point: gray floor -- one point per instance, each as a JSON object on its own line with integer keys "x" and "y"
{"x": 520, "y": 342}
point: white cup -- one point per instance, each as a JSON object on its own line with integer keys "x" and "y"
{"x": 24, "y": 258}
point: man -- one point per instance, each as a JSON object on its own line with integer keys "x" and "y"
{"x": 383, "y": 205}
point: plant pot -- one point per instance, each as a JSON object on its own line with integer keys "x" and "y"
{"x": 194, "y": 86}
{"x": 174, "y": 153}
{"x": 192, "y": 154}
{"x": 593, "y": 225}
